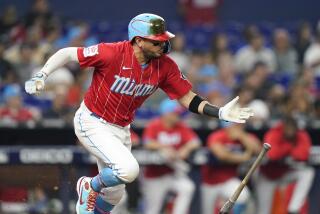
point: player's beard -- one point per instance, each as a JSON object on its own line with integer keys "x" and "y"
{"x": 149, "y": 55}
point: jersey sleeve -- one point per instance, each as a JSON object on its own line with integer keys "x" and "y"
{"x": 188, "y": 135}
{"x": 176, "y": 84}
{"x": 302, "y": 148}
{"x": 215, "y": 137}
{"x": 95, "y": 56}
{"x": 279, "y": 149}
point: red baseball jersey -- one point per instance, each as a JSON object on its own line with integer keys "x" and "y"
{"x": 120, "y": 85}
{"x": 174, "y": 137}
{"x": 220, "y": 173}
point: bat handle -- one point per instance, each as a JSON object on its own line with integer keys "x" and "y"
{"x": 226, "y": 207}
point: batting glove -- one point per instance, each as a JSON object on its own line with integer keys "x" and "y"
{"x": 233, "y": 113}
{"x": 36, "y": 83}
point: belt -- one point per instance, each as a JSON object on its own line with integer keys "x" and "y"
{"x": 104, "y": 121}
{"x": 95, "y": 115}
{"x": 100, "y": 118}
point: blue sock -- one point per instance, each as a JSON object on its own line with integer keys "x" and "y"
{"x": 106, "y": 178}
{"x": 102, "y": 207}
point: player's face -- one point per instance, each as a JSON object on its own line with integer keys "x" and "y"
{"x": 171, "y": 118}
{"x": 152, "y": 49}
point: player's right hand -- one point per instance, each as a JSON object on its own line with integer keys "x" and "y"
{"x": 36, "y": 83}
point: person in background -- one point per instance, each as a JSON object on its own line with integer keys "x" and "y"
{"x": 7, "y": 72}
{"x": 25, "y": 66}
{"x": 230, "y": 146}
{"x": 13, "y": 113}
{"x": 40, "y": 12}
{"x": 178, "y": 53}
{"x": 175, "y": 141}
{"x": 59, "y": 114}
{"x": 303, "y": 40}
{"x": 8, "y": 19}
{"x": 219, "y": 45}
{"x": 247, "y": 56}
{"x": 195, "y": 12}
{"x": 287, "y": 163}
{"x": 286, "y": 55}
{"x": 312, "y": 55}
{"x": 300, "y": 108}
{"x": 258, "y": 80}
{"x": 205, "y": 75}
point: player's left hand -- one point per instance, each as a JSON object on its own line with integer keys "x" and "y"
{"x": 233, "y": 113}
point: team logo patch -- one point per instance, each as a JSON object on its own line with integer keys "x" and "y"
{"x": 90, "y": 51}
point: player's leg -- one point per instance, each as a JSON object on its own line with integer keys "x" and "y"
{"x": 228, "y": 189}
{"x": 184, "y": 188}
{"x": 122, "y": 206}
{"x": 154, "y": 192}
{"x": 265, "y": 190}
{"x": 106, "y": 142}
{"x": 303, "y": 178}
{"x": 109, "y": 197}
{"x": 209, "y": 196}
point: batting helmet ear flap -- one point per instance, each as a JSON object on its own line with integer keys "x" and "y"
{"x": 167, "y": 47}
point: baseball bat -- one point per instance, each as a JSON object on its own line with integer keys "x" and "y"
{"x": 229, "y": 204}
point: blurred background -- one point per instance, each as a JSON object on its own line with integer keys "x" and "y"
{"x": 267, "y": 52}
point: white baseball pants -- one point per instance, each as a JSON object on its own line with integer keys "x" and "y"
{"x": 155, "y": 190}
{"x": 210, "y": 194}
{"x": 265, "y": 189}
{"x": 111, "y": 145}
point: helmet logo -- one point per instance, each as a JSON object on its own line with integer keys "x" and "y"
{"x": 157, "y": 26}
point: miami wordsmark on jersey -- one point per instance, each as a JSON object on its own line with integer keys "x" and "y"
{"x": 119, "y": 84}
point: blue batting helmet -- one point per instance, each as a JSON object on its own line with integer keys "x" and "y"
{"x": 149, "y": 26}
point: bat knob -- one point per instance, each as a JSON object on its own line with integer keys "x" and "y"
{"x": 267, "y": 146}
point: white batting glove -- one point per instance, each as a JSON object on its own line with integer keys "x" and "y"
{"x": 36, "y": 83}
{"x": 233, "y": 113}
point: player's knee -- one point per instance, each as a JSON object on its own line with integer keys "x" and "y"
{"x": 129, "y": 171}
{"x": 113, "y": 195}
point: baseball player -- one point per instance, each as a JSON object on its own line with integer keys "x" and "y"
{"x": 171, "y": 137}
{"x": 125, "y": 74}
{"x": 232, "y": 146}
{"x": 289, "y": 144}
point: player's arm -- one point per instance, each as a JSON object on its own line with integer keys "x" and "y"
{"x": 57, "y": 60}
{"x": 229, "y": 112}
{"x": 154, "y": 145}
{"x": 186, "y": 149}
{"x": 223, "y": 154}
{"x": 250, "y": 143}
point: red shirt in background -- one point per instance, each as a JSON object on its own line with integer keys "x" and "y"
{"x": 135, "y": 139}
{"x": 281, "y": 148}
{"x": 175, "y": 137}
{"x": 22, "y": 115}
{"x": 212, "y": 174}
{"x": 200, "y": 12}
